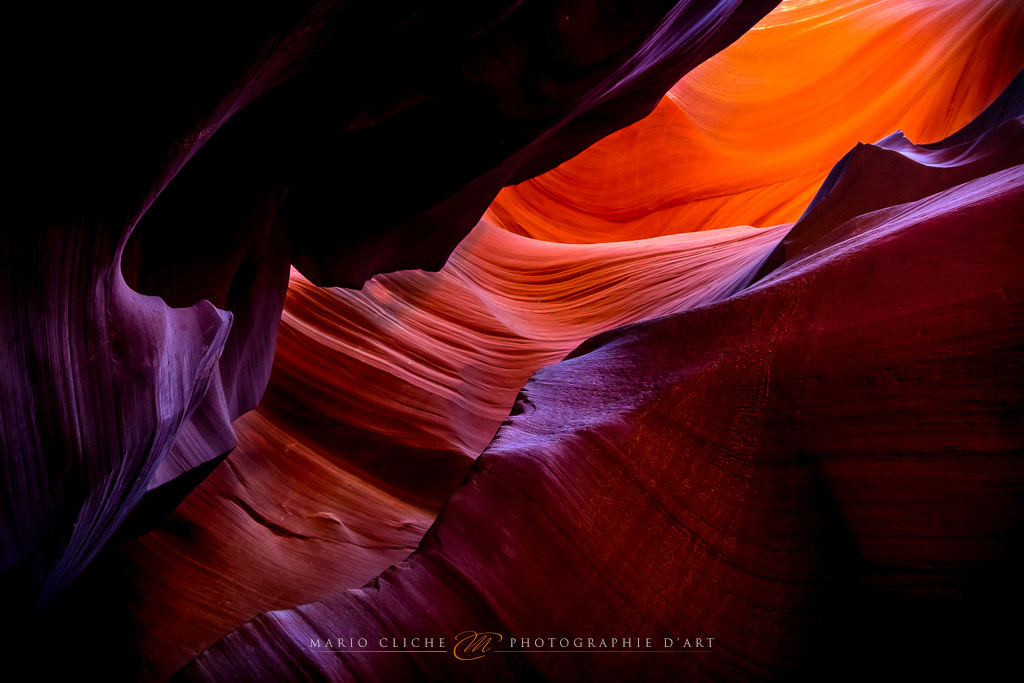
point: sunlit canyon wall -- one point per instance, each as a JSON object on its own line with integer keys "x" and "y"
{"x": 808, "y": 449}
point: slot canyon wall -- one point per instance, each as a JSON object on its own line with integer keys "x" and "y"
{"x": 537, "y": 319}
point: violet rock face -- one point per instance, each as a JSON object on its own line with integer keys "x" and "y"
{"x": 768, "y": 468}
{"x": 288, "y": 390}
{"x": 172, "y": 168}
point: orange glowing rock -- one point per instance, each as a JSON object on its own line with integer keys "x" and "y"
{"x": 381, "y": 398}
{"x": 747, "y": 137}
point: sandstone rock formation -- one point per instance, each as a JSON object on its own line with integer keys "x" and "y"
{"x": 814, "y": 435}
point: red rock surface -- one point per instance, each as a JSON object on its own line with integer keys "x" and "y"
{"x": 732, "y": 471}
{"x": 201, "y": 175}
{"x": 831, "y": 453}
{"x": 747, "y": 137}
{"x": 340, "y": 471}
{"x": 459, "y": 345}
{"x": 168, "y": 168}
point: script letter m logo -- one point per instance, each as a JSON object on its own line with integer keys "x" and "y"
{"x": 470, "y": 645}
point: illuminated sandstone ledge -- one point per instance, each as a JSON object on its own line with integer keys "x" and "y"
{"x": 760, "y": 468}
{"x": 172, "y": 163}
{"x": 291, "y": 517}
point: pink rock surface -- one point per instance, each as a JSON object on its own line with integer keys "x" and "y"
{"x": 201, "y": 157}
{"x": 844, "y": 433}
{"x": 831, "y": 452}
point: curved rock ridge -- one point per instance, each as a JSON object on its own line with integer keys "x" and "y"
{"x": 755, "y": 470}
{"x": 327, "y": 487}
{"x": 171, "y": 188}
{"x": 870, "y": 177}
{"x": 458, "y": 353}
{"x": 487, "y": 97}
{"x": 448, "y": 352}
{"x": 748, "y": 137}
{"x": 104, "y": 427}
{"x": 194, "y": 175}
{"x": 1009, "y": 105}
{"x": 378, "y": 403}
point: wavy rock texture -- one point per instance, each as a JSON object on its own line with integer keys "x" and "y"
{"x": 170, "y": 169}
{"x": 748, "y": 137}
{"x": 863, "y": 180}
{"x": 205, "y": 204}
{"x": 161, "y": 365}
{"x": 399, "y": 386}
{"x": 743, "y": 470}
{"x": 380, "y": 399}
